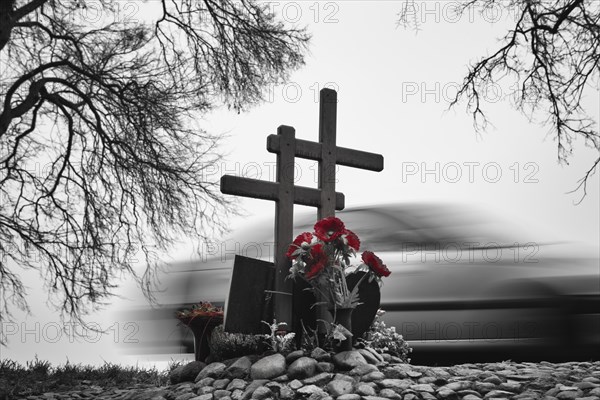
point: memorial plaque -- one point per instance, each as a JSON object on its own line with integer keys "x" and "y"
{"x": 250, "y": 298}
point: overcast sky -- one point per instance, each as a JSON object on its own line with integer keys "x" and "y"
{"x": 393, "y": 87}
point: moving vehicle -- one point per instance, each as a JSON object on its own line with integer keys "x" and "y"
{"x": 459, "y": 289}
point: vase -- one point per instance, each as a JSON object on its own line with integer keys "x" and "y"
{"x": 343, "y": 317}
{"x": 202, "y": 328}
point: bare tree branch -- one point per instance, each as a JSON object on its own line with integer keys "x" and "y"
{"x": 101, "y": 157}
{"x": 553, "y": 56}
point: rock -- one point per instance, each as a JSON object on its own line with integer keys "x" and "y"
{"x": 363, "y": 369}
{"x": 303, "y": 367}
{"x": 510, "y": 386}
{"x": 527, "y": 395}
{"x": 186, "y": 373}
{"x": 219, "y": 394}
{"x": 185, "y": 396}
{"x": 438, "y": 372}
{"x": 456, "y": 386}
{"x": 373, "y": 398}
{"x": 447, "y": 394}
{"x": 324, "y": 366}
{"x": 339, "y": 387}
{"x": 498, "y": 393}
{"x": 483, "y": 387}
{"x": 585, "y": 385}
{"x": 344, "y": 377}
{"x": 252, "y": 386}
{"x": 463, "y": 393}
{"x": 319, "y": 379}
{"x": 204, "y": 382}
{"x": 375, "y": 354}
{"x": 395, "y": 372}
{"x": 310, "y": 390}
{"x": 281, "y": 378}
{"x": 349, "y": 396}
{"x": 422, "y": 388}
{"x": 369, "y": 357}
{"x": 237, "y": 394}
{"x": 286, "y": 393}
{"x": 493, "y": 379}
{"x": 414, "y": 374}
{"x": 203, "y": 397}
{"x": 237, "y": 384}
{"x": 397, "y": 385}
{"x": 293, "y": 356}
{"x": 563, "y": 388}
{"x": 213, "y": 370}
{"x": 471, "y": 397}
{"x": 389, "y": 394}
{"x": 296, "y": 384}
{"x": 261, "y": 392}
{"x": 365, "y": 390}
{"x": 373, "y": 376}
{"x": 205, "y": 390}
{"x": 568, "y": 395}
{"x": 348, "y": 359}
{"x": 221, "y": 383}
{"x": 320, "y": 355}
{"x": 268, "y": 367}
{"x": 240, "y": 368}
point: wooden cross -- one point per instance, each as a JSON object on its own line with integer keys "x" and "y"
{"x": 286, "y": 194}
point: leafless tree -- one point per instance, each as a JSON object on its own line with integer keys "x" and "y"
{"x": 553, "y": 55}
{"x": 101, "y": 154}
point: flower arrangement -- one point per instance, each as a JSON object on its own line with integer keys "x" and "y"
{"x": 202, "y": 309}
{"x": 202, "y": 318}
{"x": 322, "y": 259}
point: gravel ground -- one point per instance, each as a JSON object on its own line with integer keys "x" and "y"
{"x": 373, "y": 381}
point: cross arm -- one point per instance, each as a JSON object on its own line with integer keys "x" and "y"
{"x": 266, "y": 190}
{"x": 344, "y": 156}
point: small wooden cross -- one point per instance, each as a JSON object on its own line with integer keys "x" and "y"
{"x": 286, "y": 194}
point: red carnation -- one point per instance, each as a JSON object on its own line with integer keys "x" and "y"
{"x": 353, "y": 240}
{"x": 305, "y": 237}
{"x": 375, "y": 264}
{"x": 318, "y": 261}
{"x": 329, "y": 229}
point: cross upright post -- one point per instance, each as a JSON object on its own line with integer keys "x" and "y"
{"x": 327, "y": 163}
{"x": 284, "y": 224}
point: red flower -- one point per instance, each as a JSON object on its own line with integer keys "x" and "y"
{"x": 375, "y": 264}
{"x": 353, "y": 240}
{"x": 329, "y": 229}
{"x": 305, "y": 237}
{"x": 318, "y": 261}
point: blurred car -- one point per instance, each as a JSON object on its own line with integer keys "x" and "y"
{"x": 460, "y": 289}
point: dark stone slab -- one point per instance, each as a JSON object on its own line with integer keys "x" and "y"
{"x": 250, "y": 302}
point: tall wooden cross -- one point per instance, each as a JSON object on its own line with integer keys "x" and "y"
{"x": 286, "y": 194}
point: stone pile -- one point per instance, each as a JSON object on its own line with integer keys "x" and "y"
{"x": 361, "y": 375}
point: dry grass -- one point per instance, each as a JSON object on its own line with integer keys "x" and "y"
{"x": 38, "y": 377}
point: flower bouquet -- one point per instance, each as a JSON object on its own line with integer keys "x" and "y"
{"x": 201, "y": 318}
{"x": 323, "y": 259}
